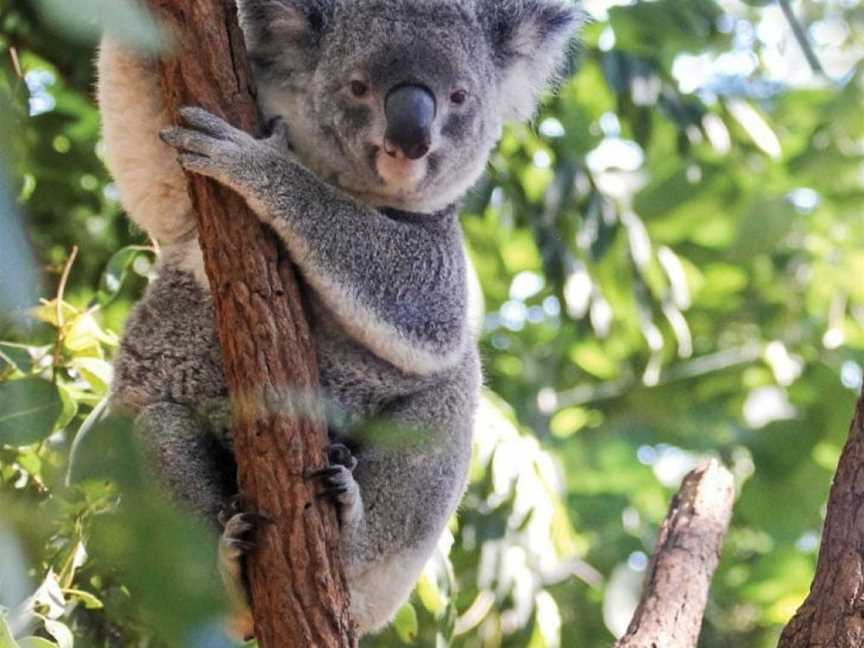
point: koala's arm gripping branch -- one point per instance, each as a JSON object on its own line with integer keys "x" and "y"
{"x": 396, "y": 282}
{"x": 299, "y": 593}
{"x": 404, "y": 297}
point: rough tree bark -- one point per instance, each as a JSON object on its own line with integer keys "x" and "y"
{"x": 832, "y": 616}
{"x": 675, "y": 593}
{"x": 299, "y": 593}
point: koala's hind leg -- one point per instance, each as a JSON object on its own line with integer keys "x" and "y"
{"x": 150, "y": 181}
{"x": 198, "y": 472}
{"x": 411, "y": 474}
{"x": 189, "y": 463}
{"x": 239, "y": 537}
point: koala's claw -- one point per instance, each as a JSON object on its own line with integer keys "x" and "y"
{"x": 208, "y": 123}
{"x": 240, "y": 528}
{"x": 239, "y": 534}
{"x": 339, "y": 483}
{"x": 210, "y": 146}
{"x": 204, "y": 133}
{"x": 340, "y": 455}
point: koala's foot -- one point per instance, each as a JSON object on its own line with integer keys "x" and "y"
{"x": 240, "y": 528}
{"x": 339, "y": 483}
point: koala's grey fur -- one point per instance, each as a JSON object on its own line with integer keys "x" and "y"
{"x": 375, "y": 237}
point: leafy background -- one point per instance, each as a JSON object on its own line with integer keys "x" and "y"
{"x": 671, "y": 260}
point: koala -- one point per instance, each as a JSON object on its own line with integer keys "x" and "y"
{"x": 385, "y": 113}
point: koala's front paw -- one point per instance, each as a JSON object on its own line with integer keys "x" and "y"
{"x": 240, "y": 528}
{"x": 212, "y": 147}
{"x": 339, "y": 483}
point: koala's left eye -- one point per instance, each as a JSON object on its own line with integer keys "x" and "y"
{"x": 359, "y": 89}
{"x": 459, "y": 97}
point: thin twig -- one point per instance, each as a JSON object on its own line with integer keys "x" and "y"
{"x": 587, "y": 393}
{"x": 61, "y": 290}
{"x": 64, "y": 279}
{"x": 16, "y": 64}
{"x": 801, "y": 37}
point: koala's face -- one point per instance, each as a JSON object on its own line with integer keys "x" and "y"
{"x": 398, "y": 102}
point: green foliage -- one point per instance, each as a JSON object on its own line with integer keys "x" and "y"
{"x": 671, "y": 261}
{"x": 30, "y": 408}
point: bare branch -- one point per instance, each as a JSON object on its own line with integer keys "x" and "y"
{"x": 688, "y": 549}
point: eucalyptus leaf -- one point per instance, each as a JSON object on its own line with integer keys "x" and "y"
{"x": 18, "y": 278}
{"x": 61, "y": 633}
{"x": 116, "y": 271}
{"x": 70, "y": 408}
{"x": 6, "y": 638}
{"x": 36, "y": 642}
{"x": 19, "y": 356}
{"x": 29, "y": 409}
{"x": 90, "y": 601}
{"x": 406, "y": 623}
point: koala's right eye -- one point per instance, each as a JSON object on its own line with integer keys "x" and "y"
{"x": 359, "y": 89}
{"x": 459, "y": 97}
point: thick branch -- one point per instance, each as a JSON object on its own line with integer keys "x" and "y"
{"x": 688, "y": 549}
{"x": 833, "y": 613}
{"x": 299, "y": 593}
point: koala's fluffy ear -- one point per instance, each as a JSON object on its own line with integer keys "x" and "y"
{"x": 277, "y": 29}
{"x": 530, "y": 42}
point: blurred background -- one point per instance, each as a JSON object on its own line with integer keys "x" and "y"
{"x": 672, "y": 257}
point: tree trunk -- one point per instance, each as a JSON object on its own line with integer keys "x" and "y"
{"x": 299, "y": 593}
{"x": 833, "y": 613}
{"x": 688, "y": 549}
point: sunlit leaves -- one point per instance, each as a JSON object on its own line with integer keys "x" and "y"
{"x": 666, "y": 26}
{"x": 756, "y": 127}
{"x": 6, "y": 638}
{"x": 89, "y": 601}
{"x": 406, "y": 624}
{"x": 547, "y": 623}
{"x": 570, "y": 420}
{"x": 79, "y": 331}
{"x": 35, "y": 642}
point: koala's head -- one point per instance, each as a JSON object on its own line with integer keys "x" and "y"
{"x": 398, "y": 102}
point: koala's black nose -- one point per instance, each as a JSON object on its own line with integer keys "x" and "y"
{"x": 410, "y": 111}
